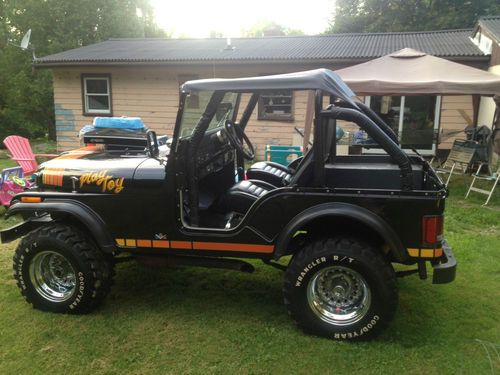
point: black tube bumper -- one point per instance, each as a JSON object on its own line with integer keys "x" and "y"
{"x": 21, "y": 229}
{"x": 446, "y": 268}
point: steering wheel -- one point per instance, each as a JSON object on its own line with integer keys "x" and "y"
{"x": 239, "y": 140}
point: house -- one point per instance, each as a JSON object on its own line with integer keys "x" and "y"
{"x": 141, "y": 77}
{"x": 486, "y": 35}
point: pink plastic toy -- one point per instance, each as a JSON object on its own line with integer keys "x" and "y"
{"x": 11, "y": 183}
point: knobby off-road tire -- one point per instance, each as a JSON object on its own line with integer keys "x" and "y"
{"x": 341, "y": 288}
{"x": 59, "y": 269}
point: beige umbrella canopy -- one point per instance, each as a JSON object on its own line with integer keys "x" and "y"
{"x": 411, "y": 72}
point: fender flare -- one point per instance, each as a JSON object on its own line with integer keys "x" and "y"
{"x": 342, "y": 210}
{"x": 79, "y": 211}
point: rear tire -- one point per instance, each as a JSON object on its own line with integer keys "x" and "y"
{"x": 341, "y": 288}
{"x": 59, "y": 269}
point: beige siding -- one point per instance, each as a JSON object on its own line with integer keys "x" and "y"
{"x": 452, "y": 121}
{"x": 152, "y": 94}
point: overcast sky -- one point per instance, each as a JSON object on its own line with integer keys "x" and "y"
{"x": 196, "y": 18}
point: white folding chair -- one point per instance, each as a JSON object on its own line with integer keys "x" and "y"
{"x": 494, "y": 177}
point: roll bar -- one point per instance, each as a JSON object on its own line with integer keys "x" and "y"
{"x": 379, "y": 136}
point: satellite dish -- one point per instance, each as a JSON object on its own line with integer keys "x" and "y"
{"x": 25, "y": 44}
{"x": 26, "y": 40}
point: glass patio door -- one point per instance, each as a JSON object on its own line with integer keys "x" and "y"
{"x": 415, "y": 120}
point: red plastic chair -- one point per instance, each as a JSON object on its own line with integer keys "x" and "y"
{"x": 20, "y": 149}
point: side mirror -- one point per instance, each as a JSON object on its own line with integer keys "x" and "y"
{"x": 152, "y": 142}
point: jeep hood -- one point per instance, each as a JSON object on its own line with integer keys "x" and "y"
{"x": 93, "y": 170}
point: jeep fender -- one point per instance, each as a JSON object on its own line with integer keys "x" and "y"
{"x": 347, "y": 211}
{"x": 76, "y": 210}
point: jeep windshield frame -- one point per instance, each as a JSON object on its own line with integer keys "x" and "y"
{"x": 227, "y": 109}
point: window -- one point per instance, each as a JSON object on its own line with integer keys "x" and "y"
{"x": 276, "y": 105}
{"x": 415, "y": 119}
{"x": 225, "y": 111}
{"x": 96, "y": 94}
{"x": 193, "y": 100}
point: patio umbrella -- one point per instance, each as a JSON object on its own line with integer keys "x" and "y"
{"x": 411, "y": 72}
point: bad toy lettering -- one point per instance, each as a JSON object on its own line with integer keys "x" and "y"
{"x": 102, "y": 179}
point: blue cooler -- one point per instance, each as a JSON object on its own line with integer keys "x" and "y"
{"x": 124, "y": 123}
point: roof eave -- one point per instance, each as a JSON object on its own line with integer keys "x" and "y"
{"x": 351, "y": 60}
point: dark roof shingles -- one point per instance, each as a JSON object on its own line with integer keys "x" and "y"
{"x": 448, "y": 43}
{"x": 492, "y": 25}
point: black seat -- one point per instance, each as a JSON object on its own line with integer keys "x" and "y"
{"x": 277, "y": 174}
{"x": 241, "y": 196}
{"x": 268, "y": 171}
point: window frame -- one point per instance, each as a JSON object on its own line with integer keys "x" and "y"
{"x": 96, "y": 112}
{"x": 436, "y": 125}
{"x": 263, "y": 116}
{"x": 193, "y": 100}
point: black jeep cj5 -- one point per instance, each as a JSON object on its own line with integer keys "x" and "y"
{"x": 343, "y": 220}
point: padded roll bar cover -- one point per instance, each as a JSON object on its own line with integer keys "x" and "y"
{"x": 196, "y": 138}
{"x": 381, "y": 123}
{"x": 372, "y": 115}
{"x": 379, "y": 136}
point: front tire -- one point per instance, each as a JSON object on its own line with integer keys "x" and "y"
{"x": 59, "y": 269}
{"x": 341, "y": 288}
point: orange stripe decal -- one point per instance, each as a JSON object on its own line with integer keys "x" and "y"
{"x": 181, "y": 245}
{"x": 130, "y": 242}
{"x": 78, "y": 153}
{"x": 161, "y": 244}
{"x": 143, "y": 243}
{"x": 427, "y": 253}
{"x": 196, "y": 245}
{"x": 243, "y": 247}
{"x": 53, "y": 176}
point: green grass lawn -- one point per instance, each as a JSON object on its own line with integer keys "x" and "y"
{"x": 212, "y": 321}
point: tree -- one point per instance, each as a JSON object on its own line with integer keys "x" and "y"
{"x": 269, "y": 28}
{"x": 408, "y": 15}
{"x": 26, "y": 98}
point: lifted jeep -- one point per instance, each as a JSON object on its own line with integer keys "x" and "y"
{"x": 342, "y": 219}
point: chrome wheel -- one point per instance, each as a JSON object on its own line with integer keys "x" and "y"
{"x": 52, "y": 276}
{"x": 339, "y": 295}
